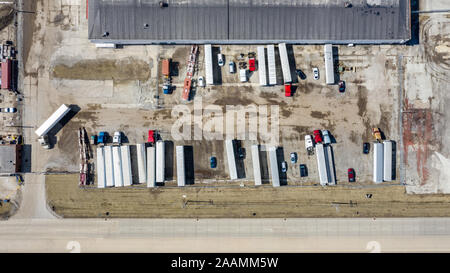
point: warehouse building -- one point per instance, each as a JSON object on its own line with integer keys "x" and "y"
{"x": 249, "y": 21}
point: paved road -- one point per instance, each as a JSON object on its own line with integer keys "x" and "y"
{"x": 226, "y": 235}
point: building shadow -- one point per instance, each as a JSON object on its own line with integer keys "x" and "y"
{"x": 292, "y": 64}
{"x": 189, "y": 165}
{"x": 337, "y": 76}
{"x": 217, "y": 70}
{"x": 240, "y": 166}
{"x": 394, "y": 160}
{"x": 415, "y": 27}
{"x": 280, "y": 158}
{"x": 168, "y": 160}
{"x": 134, "y": 164}
{"x": 265, "y": 176}
{"x": 26, "y": 158}
{"x": 333, "y": 167}
{"x": 278, "y": 69}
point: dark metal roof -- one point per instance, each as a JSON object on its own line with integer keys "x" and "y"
{"x": 249, "y": 21}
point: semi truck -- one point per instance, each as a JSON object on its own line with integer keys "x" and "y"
{"x": 52, "y": 120}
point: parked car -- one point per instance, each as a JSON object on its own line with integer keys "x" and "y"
{"x": 201, "y": 81}
{"x": 93, "y": 139}
{"x": 117, "y": 139}
{"x": 309, "y": 145}
{"x": 220, "y": 59}
{"x": 303, "y": 170}
{"x": 300, "y": 74}
{"x": 293, "y": 158}
{"x": 316, "y": 73}
{"x": 10, "y": 110}
{"x": 251, "y": 64}
{"x": 366, "y": 147}
{"x": 351, "y": 175}
{"x": 326, "y": 136}
{"x": 232, "y": 67}
{"x": 151, "y": 136}
{"x": 283, "y": 166}
{"x": 213, "y": 162}
{"x": 241, "y": 153}
{"x": 341, "y": 86}
{"x": 317, "y": 136}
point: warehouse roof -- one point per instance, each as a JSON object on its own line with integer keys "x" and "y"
{"x": 249, "y": 21}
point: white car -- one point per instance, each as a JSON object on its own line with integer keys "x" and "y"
{"x": 201, "y": 81}
{"x": 308, "y": 142}
{"x": 117, "y": 139}
{"x": 232, "y": 67}
{"x": 316, "y": 73}
{"x": 326, "y": 136}
{"x": 220, "y": 60}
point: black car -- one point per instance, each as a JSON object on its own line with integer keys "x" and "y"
{"x": 366, "y": 147}
{"x": 303, "y": 170}
{"x": 300, "y": 74}
{"x": 341, "y": 86}
{"x": 213, "y": 162}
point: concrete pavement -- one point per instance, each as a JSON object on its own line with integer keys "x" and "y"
{"x": 226, "y": 235}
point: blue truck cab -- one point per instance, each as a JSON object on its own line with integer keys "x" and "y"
{"x": 101, "y": 138}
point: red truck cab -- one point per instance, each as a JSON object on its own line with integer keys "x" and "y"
{"x": 251, "y": 64}
{"x": 287, "y": 89}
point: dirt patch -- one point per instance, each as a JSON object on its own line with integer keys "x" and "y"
{"x": 354, "y": 137}
{"x": 302, "y": 130}
{"x": 320, "y": 115}
{"x": 362, "y": 101}
{"x": 103, "y": 69}
{"x": 234, "y": 97}
{"x": 233, "y": 201}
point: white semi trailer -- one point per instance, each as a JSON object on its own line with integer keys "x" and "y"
{"x": 329, "y": 64}
{"x": 109, "y": 168}
{"x": 209, "y": 65}
{"x": 256, "y": 165}
{"x": 321, "y": 164}
{"x": 284, "y": 63}
{"x": 387, "y": 166}
{"x": 52, "y": 120}
{"x": 126, "y": 165}
{"x": 160, "y": 161}
{"x": 378, "y": 159}
{"x": 231, "y": 159}
{"x": 274, "y": 166}
{"x": 271, "y": 64}
{"x": 101, "y": 176}
{"x": 151, "y": 167}
{"x": 117, "y": 164}
{"x": 181, "y": 177}
{"x": 262, "y": 66}
{"x": 141, "y": 160}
